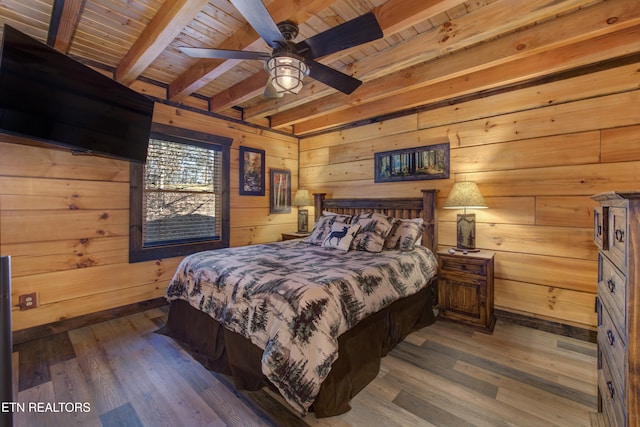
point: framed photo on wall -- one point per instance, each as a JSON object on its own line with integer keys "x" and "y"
{"x": 280, "y": 200}
{"x": 410, "y": 164}
{"x": 252, "y": 172}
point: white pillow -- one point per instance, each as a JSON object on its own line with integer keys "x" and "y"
{"x": 340, "y": 236}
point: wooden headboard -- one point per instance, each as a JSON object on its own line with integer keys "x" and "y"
{"x": 408, "y": 207}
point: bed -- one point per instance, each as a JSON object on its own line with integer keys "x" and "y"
{"x": 311, "y": 318}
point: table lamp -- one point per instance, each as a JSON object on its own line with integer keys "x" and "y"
{"x": 465, "y": 195}
{"x": 301, "y": 199}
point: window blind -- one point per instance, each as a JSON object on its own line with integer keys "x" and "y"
{"x": 182, "y": 193}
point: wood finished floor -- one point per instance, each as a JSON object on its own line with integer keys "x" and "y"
{"x": 443, "y": 375}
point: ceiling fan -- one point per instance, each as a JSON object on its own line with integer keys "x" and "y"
{"x": 290, "y": 62}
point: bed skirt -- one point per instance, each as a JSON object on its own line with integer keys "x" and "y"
{"x": 360, "y": 349}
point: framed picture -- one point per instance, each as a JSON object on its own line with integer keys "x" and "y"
{"x": 251, "y": 172}
{"x": 280, "y": 201}
{"x": 409, "y": 164}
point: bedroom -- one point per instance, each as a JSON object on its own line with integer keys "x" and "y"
{"x": 539, "y": 130}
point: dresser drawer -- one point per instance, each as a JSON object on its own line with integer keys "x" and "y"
{"x": 612, "y": 345}
{"x": 458, "y": 264}
{"x": 617, "y": 236}
{"x": 613, "y": 401}
{"x": 612, "y": 290}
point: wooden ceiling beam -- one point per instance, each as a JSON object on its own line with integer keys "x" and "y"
{"x": 205, "y": 70}
{"x": 172, "y": 17}
{"x": 566, "y": 57}
{"x": 64, "y": 21}
{"x": 599, "y": 19}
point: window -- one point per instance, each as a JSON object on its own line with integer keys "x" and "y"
{"x": 180, "y": 196}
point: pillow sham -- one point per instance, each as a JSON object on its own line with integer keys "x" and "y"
{"x": 374, "y": 229}
{"x": 405, "y": 234}
{"x": 322, "y": 227}
{"x": 340, "y": 236}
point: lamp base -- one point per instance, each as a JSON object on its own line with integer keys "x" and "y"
{"x": 463, "y": 250}
{"x": 466, "y": 232}
{"x": 303, "y": 220}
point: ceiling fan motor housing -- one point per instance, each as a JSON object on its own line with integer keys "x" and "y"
{"x": 288, "y": 29}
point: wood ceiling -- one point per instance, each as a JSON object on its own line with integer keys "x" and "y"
{"x": 433, "y": 51}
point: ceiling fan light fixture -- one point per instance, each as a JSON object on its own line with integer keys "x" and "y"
{"x": 287, "y": 72}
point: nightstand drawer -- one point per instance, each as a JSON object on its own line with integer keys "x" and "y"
{"x": 463, "y": 264}
{"x": 612, "y": 289}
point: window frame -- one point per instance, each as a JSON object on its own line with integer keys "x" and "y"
{"x": 137, "y": 251}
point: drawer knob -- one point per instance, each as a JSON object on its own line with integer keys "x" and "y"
{"x": 610, "y": 388}
{"x": 610, "y": 337}
{"x": 619, "y": 235}
{"x": 611, "y": 284}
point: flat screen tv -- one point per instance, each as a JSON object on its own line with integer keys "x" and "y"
{"x": 49, "y": 97}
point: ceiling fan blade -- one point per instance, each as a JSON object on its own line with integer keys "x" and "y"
{"x": 198, "y": 52}
{"x": 362, "y": 29}
{"x": 258, "y": 17}
{"x": 331, "y": 77}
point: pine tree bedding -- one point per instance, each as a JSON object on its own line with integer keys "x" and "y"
{"x": 294, "y": 300}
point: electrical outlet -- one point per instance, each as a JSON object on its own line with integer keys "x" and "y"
{"x": 27, "y": 301}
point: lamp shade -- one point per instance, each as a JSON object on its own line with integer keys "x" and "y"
{"x": 302, "y": 198}
{"x": 465, "y": 194}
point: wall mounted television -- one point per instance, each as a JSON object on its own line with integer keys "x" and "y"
{"x": 49, "y": 97}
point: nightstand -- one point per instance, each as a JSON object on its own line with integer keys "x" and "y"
{"x": 465, "y": 288}
{"x": 294, "y": 235}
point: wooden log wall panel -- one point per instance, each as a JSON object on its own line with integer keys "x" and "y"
{"x": 565, "y": 211}
{"x": 38, "y": 226}
{"x": 42, "y": 194}
{"x": 552, "y": 271}
{"x": 615, "y": 80}
{"x": 553, "y": 241}
{"x": 64, "y": 220}
{"x": 504, "y": 210}
{"x": 537, "y": 153}
{"x": 43, "y": 257}
{"x": 34, "y": 162}
{"x": 48, "y": 313}
{"x": 400, "y": 125}
{"x": 621, "y": 144}
{"x": 547, "y": 302}
{"x": 72, "y": 284}
{"x": 558, "y": 180}
{"x": 580, "y": 116}
{"x": 558, "y": 150}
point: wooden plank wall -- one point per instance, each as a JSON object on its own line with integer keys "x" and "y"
{"x": 64, "y": 220}
{"x": 537, "y": 154}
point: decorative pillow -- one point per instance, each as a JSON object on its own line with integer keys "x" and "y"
{"x": 340, "y": 236}
{"x": 405, "y": 234}
{"x": 374, "y": 229}
{"x": 322, "y": 227}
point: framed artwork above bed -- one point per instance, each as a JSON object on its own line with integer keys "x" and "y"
{"x": 280, "y": 199}
{"x": 410, "y": 164}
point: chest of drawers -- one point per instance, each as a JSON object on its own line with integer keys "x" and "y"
{"x": 616, "y": 233}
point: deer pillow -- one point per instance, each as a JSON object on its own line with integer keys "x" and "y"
{"x": 340, "y": 236}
